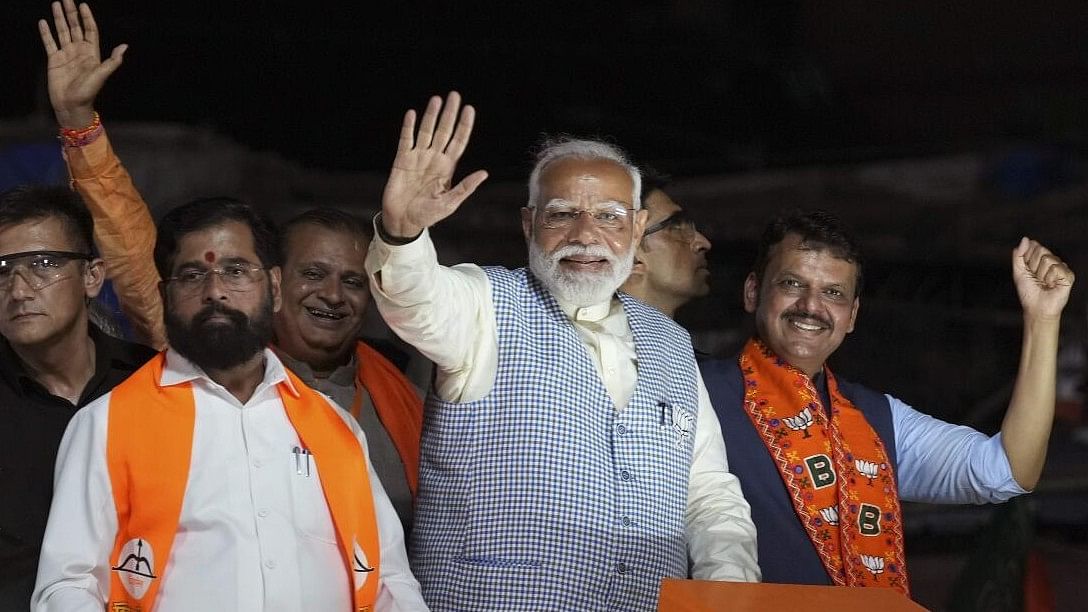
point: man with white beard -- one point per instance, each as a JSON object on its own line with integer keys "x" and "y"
{"x": 570, "y": 456}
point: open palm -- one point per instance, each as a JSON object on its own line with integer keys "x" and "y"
{"x": 76, "y": 72}
{"x": 418, "y": 193}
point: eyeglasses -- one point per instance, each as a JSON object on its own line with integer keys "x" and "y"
{"x": 235, "y": 277}
{"x": 678, "y": 223}
{"x": 38, "y": 268}
{"x": 605, "y": 217}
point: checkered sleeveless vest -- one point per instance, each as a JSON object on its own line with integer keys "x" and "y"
{"x": 540, "y": 496}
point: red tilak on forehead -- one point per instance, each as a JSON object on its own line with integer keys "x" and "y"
{"x": 209, "y": 257}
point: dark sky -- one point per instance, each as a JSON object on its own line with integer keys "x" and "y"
{"x": 691, "y": 86}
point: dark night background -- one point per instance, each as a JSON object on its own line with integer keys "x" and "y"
{"x": 941, "y": 131}
{"x": 696, "y": 86}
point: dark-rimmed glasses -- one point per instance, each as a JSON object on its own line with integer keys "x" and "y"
{"x": 38, "y": 268}
{"x": 678, "y": 223}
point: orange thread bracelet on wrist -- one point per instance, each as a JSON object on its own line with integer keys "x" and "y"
{"x": 83, "y": 136}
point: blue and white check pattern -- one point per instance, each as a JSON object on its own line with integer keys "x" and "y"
{"x": 540, "y": 496}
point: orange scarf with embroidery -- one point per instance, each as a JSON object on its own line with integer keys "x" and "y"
{"x": 835, "y": 468}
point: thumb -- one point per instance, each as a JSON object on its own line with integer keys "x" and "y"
{"x": 467, "y": 186}
{"x": 113, "y": 62}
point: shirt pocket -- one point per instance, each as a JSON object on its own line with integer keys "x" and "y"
{"x": 311, "y": 517}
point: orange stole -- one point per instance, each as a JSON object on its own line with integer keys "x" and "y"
{"x": 399, "y": 407}
{"x": 149, "y": 474}
{"x": 836, "y": 470}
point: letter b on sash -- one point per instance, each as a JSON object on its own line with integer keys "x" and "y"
{"x": 819, "y": 467}
{"x": 869, "y": 520}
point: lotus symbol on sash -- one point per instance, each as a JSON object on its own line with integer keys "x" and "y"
{"x": 830, "y": 514}
{"x": 874, "y": 564}
{"x": 801, "y": 422}
{"x": 867, "y": 469}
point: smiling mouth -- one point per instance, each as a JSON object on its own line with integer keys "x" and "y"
{"x": 807, "y": 325}
{"x": 325, "y": 315}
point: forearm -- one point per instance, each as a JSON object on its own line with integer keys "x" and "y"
{"x": 124, "y": 234}
{"x": 1025, "y": 430}
{"x": 721, "y": 534}
{"x": 445, "y": 313}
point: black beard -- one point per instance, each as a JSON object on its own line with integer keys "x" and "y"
{"x": 220, "y": 346}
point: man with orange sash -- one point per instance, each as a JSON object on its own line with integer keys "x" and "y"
{"x": 325, "y": 290}
{"x": 824, "y": 462}
{"x": 213, "y": 478}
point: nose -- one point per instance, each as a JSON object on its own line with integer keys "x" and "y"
{"x": 809, "y": 300}
{"x": 331, "y": 291}
{"x": 213, "y": 290}
{"x": 700, "y": 243}
{"x": 583, "y": 230}
{"x": 21, "y": 289}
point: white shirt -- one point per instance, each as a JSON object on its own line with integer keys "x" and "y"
{"x": 253, "y": 535}
{"x": 448, "y": 315}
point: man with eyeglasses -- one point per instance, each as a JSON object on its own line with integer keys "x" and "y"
{"x": 213, "y": 478}
{"x": 325, "y": 291}
{"x": 52, "y": 362}
{"x": 571, "y": 459}
{"x": 670, "y": 266}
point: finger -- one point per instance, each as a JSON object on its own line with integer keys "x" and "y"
{"x": 426, "y": 124}
{"x": 1021, "y": 247}
{"x": 1057, "y": 275}
{"x": 461, "y": 135}
{"x": 47, "y": 37}
{"x": 1034, "y": 254}
{"x": 465, "y": 188}
{"x": 71, "y": 14}
{"x": 112, "y": 63}
{"x": 445, "y": 122}
{"x": 407, "y": 132}
{"x": 90, "y": 27}
{"x": 64, "y": 37}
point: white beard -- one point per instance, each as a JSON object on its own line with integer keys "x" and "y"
{"x": 580, "y": 289}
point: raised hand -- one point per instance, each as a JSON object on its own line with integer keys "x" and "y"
{"x": 76, "y": 72}
{"x": 418, "y": 193}
{"x": 1043, "y": 281}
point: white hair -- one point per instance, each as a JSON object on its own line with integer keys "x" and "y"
{"x": 566, "y": 147}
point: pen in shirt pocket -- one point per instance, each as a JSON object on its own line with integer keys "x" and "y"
{"x": 300, "y": 455}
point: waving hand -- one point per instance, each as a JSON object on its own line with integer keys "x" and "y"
{"x": 76, "y": 72}
{"x": 419, "y": 193}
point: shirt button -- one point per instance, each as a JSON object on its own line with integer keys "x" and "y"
{"x": 621, "y": 568}
{"x": 611, "y": 371}
{"x": 626, "y": 521}
{"x": 620, "y": 429}
{"x": 257, "y": 463}
{"x": 625, "y": 475}
{"x": 270, "y": 564}
{"x": 262, "y": 513}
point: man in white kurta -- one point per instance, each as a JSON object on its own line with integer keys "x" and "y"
{"x": 581, "y": 227}
{"x": 256, "y": 529}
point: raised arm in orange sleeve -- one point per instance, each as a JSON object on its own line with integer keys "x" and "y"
{"x": 124, "y": 233}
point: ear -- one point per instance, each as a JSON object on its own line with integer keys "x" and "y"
{"x": 94, "y": 276}
{"x": 853, "y": 314}
{"x": 527, "y": 222}
{"x": 751, "y": 293}
{"x": 274, "y": 277}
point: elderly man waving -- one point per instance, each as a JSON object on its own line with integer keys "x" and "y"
{"x": 571, "y": 459}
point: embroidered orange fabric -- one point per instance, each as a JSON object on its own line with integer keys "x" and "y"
{"x": 835, "y": 469}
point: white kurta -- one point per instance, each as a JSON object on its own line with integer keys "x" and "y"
{"x": 253, "y": 536}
